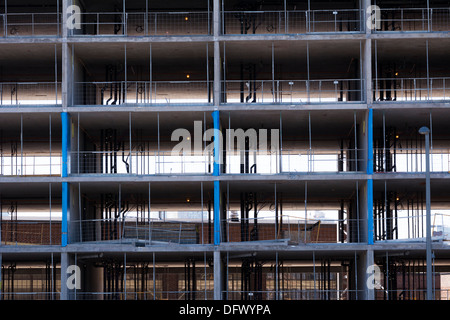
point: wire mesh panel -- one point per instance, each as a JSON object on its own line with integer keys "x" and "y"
{"x": 164, "y": 232}
{"x": 440, "y": 19}
{"x": 305, "y": 161}
{"x": 30, "y": 232}
{"x": 179, "y": 23}
{"x": 140, "y": 92}
{"x": 30, "y": 24}
{"x": 337, "y": 90}
{"x": 155, "y": 232}
{"x": 254, "y": 22}
{"x": 411, "y": 89}
{"x": 240, "y": 230}
{"x": 292, "y": 21}
{"x": 36, "y": 281}
{"x": 404, "y": 19}
{"x": 3, "y": 29}
{"x": 297, "y": 21}
{"x": 146, "y": 24}
{"x": 102, "y": 24}
{"x": 412, "y": 160}
{"x": 23, "y": 164}
{"x": 334, "y": 21}
{"x": 292, "y": 91}
{"x": 293, "y": 294}
{"x": 140, "y": 162}
{"x": 30, "y": 93}
{"x": 292, "y": 230}
{"x": 439, "y": 88}
{"x": 413, "y": 19}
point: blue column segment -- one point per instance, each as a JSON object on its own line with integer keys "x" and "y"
{"x": 370, "y": 226}
{"x": 216, "y": 213}
{"x": 216, "y": 173}
{"x": 65, "y": 186}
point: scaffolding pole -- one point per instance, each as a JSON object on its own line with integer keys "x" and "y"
{"x": 281, "y": 144}
{"x": 149, "y": 216}
{"x": 21, "y": 144}
{"x": 306, "y": 209}
{"x": 50, "y": 213}
{"x": 79, "y": 212}
{"x": 201, "y": 197}
{"x": 50, "y": 140}
{"x": 130, "y": 134}
{"x": 78, "y": 143}
{"x": 154, "y": 277}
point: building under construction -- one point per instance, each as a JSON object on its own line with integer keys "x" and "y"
{"x": 224, "y": 149}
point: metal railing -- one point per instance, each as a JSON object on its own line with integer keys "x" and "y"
{"x": 143, "y": 92}
{"x": 30, "y": 93}
{"x": 408, "y": 225}
{"x": 155, "y": 232}
{"x": 140, "y": 162}
{"x": 234, "y": 91}
{"x": 233, "y": 22}
{"x": 294, "y": 230}
{"x": 294, "y": 294}
{"x": 30, "y": 24}
{"x": 289, "y": 161}
{"x": 440, "y": 227}
{"x": 33, "y": 232}
{"x": 30, "y": 295}
{"x": 411, "y": 160}
{"x": 24, "y": 164}
{"x": 292, "y": 21}
{"x": 145, "y": 24}
{"x": 292, "y": 91}
{"x": 414, "y": 19}
{"x": 144, "y": 295}
{"x": 404, "y": 294}
{"x": 260, "y": 162}
{"x": 411, "y": 89}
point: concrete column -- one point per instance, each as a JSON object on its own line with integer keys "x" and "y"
{"x": 367, "y": 70}
{"x": 218, "y": 277}
{"x": 216, "y": 173}
{"x": 1, "y": 284}
{"x": 217, "y": 59}
{"x": 64, "y": 276}
{"x": 74, "y": 226}
{"x": 363, "y": 212}
{"x": 367, "y": 56}
{"x": 365, "y": 288}
{"x": 66, "y": 90}
{"x": 94, "y": 277}
{"x": 217, "y": 75}
{"x": 369, "y": 171}
{"x": 65, "y": 4}
{"x": 216, "y": 19}
{"x": 363, "y": 144}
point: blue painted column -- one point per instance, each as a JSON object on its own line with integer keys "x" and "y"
{"x": 217, "y": 146}
{"x": 369, "y": 170}
{"x": 216, "y": 173}
{"x": 65, "y": 121}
